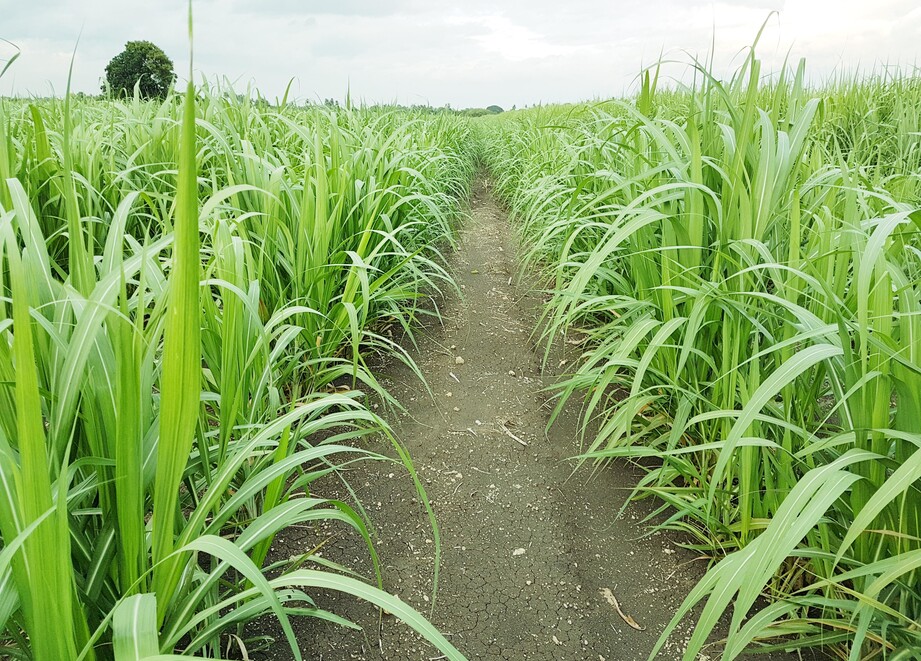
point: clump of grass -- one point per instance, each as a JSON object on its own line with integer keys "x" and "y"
{"x": 189, "y": 292}
{"x": 745, "y": 260}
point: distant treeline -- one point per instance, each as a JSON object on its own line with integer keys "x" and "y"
{"x": 262, "y": 101}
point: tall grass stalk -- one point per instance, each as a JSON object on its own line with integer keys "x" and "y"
{"x": 742, "y": 258}
{"x": 190, "y": 291}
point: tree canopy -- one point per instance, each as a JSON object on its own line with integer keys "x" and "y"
{"x": 144, "y": 64}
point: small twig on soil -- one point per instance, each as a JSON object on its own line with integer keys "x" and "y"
{"x": 441, "y": 348}
{"x": 511, "y": 435}
{"x": 454, "y": 377}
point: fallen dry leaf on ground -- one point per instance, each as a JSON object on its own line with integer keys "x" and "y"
{"x": 611, "y": 599}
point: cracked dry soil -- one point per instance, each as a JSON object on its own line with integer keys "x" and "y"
{"x": 528, "y": 547}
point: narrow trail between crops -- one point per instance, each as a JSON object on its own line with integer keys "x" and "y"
{"x": 531, "y": 555}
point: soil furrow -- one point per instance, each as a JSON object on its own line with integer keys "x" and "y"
{"x": 531, "y": 553}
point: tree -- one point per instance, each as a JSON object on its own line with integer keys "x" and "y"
{"x": 143, "y": 64}
{"x": 494, "y": 109}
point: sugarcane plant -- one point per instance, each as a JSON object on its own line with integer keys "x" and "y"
{"x": 741, "y": 262}
{"x": 189, "y": 292}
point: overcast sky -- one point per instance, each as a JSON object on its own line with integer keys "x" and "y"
{"x": 462, "y": 52}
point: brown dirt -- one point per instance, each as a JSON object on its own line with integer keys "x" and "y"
{"x": 527, "y": 546}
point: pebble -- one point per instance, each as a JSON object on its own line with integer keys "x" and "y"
{"x": 458, "y": 361}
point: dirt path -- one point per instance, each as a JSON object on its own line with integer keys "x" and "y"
{"x": 527, "y": 551}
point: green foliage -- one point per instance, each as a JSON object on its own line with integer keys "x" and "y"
{"x": 480, "y": 112}
{"x": 474, "y": 112}
{"x": 744, "y": 261}
{"x": 189, "y": 294}
{"x": 143, "y": 65}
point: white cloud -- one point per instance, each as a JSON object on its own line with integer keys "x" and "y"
{"x": 512, "y": 42}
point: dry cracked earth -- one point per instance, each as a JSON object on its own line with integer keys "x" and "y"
{"x": 531, "y": 551}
